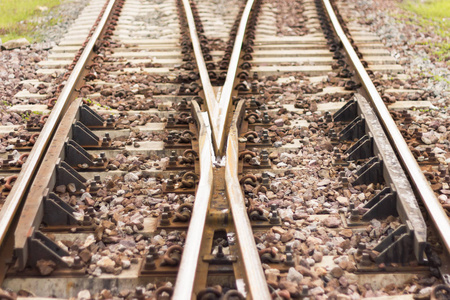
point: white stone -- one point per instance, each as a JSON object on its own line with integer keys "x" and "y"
{"x": 342, "y": 201}
{"x": 361, "y": 196}
{"x": 106, "y": 264}
{"x": 69, "y": 260}
{"x": 95, "y": 258}
{"x": 42, "y": 8}
{"x": 89, "y": 241}
{"x": 426, "y": 291}
{"x": 294, "y": 275}
{"x": 12, "y": 44}
{"x": 131, "y": 177}
{"x": 84, "y": 295}
{"x": 430, "y": 137}
{"x": 126, "y": 264}
{"x": 97, "y": 272}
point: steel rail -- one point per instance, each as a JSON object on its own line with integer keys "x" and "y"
{"x": 423, "y": 188}
{"x": 221, "y": 111}
{"x": 36, "y": 155}
{"x": 210, "y": 96}
{"x": 184, "y": 285}
{"x": 217, "y": 115}
{"x": 253, "y": 269}
{"x": 33, "y": 209}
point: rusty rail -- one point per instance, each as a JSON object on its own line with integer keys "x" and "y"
{"x": 30, "y": 168}
{"x": 184, "y": 285}
{"x": 210, "y": 97}
{"x": 423, "y": 188}
{"x": 253, "y": 269}
{"x": 222, "y": 110}
{"x": 218, "y": 113}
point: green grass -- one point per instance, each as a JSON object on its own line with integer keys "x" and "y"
{"x": 431, "y": 15}
{"x": 438, "y": 10}
{"x": 18, "y": 18}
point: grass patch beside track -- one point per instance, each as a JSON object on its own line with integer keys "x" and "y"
{"x": 18, "y": 18}
{"x": 438, "y": 10}
{"x": 433, "y": 14}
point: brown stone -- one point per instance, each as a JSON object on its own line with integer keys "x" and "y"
{"x": 342, "y": 201}
{"x": 108, "y": 224}
{"x": 89, "y": 201}
{"x": 85, "y": 255}
{"x": 348, "y": 233}
{"x": 45, "y": 267}
{"x": 343, "y": 281}
{"x": 278, "y": 229}
{"x": 273, "y": 155}
{"x": 270, "y": 237}
{"x": 321, "y": 271}
{"x": 71, "y": 188}
{"x": 345, "y": 245}
{"x": 73, "y": 200}
{"x": 332, "y": 222}
{"x": 336, "y": 272}
{"x": 99, "y": 233}
{"x": 307, "y": 272}
{"x": 61, "y": 189}
{"x": 317, "y": 256}
{"x": 106, "y": 264}
{"x": 272, "y": 274}
{"x": 291, "y": 287}
{"x": 124, "y": 293}
{"x": 287, "y": 237}
{"x": 351, "y": 267}
{"x": 343, "y": 264}
{"x": 106, "y": 294}
{"x": 343, "y": 297}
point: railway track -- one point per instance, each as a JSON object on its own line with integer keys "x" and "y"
{"x": 194, "y": 157}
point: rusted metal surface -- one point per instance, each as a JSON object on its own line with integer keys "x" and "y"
{"x": 188, "y": 267}
{"x": 196, "y": 239}
{"x": 435, "y": 210}
{"x": 253, "y": 269}
{"x": 36, "y": 155}
{"x": 221, "y": 111}
{"x": 208, "y": 91}
{"x": 33, "y": 210}
{"x": 219, "y": 202}
{"x": 407, "y": 206}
